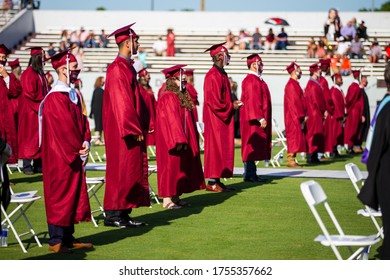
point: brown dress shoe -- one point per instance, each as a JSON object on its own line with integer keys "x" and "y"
{"x": 293, "y": 164}
{"x": 214, "y": 188}
{"x": 59, "y": 248}
{"x": 77, "y": 244}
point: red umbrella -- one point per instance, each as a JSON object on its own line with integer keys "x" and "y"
{"x": 277, "y": 21}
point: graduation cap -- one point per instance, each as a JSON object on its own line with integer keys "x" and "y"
{"x": 324, "y": 63}
{"x": 292, "y": 66}
{"x": 62, "y": 58}
{"x": 189, "y": 72}
{"x": 48, "y": 74}
{"x": 123, "y": 33}
{"x": 335, "y": 76}
{"x": 356, "y": 73}
{"x": 314, "y": 67}
{"x": 4, "y": 49}
{"x": 143, "y": 72}
{"x": 214, "y": 49}
{"x": 173, "y": 71}
{"x": 255, "y": 57}
{"x": 14, "y": 64}
{"x": 35, "y": 50}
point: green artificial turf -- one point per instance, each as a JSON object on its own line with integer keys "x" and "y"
{"x": 256, "y": 222}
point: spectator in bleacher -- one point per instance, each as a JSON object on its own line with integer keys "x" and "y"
{"x": 90, "y": 42}
{"x": 83, "y": 36}
{"x": 311, "y": 48}
{"x": 7, "y": 5}
{"x": 124, "y": 136}
{"x": 79, "y": 54}
{"x": 243, "y": 40}
{"x": 375, "y": 52}
{"x": 354, "y": 105}
{"x": 10, "y": 90}
{"x": 357, "y": 48}
{"x": 218, "y": 111}
{"x": 335, "y": 63}
{"x": 256, "y": 41}
{"x": 170, "y": 42}
{"x": 74, "y": 38}
{"x": 361, "y": 31}
{"x": 103, "y": 40}
{"x": 295, "y": 115}
{"x": 34, "y": 90}
{"x": 321, "y": 49}
{"x": 255, "y": 119}
{"x": 343, "y": 47}
{"x": 345, "y": 65}
{"x": 386, "y": 55}
{"x": 348, "y": 31}
{"x": 50, "y": 80}
{"x": 65, "y": 36}
{"x": 332, "y": 25}
{"x": 62, "y": 46}
{"x": 96, "y": 108}
{"x": 159, "y": 46}
{"x": 51, "y": 51}
{"x": 230, "y": 40}
{"x": 281, "y": 40}
{"x": 15, "y": 68}
{"x": 270, "y": 40}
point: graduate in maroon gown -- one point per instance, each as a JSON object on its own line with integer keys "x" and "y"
{"x": 34, "y": 89}
{"x": 150, "y": 103}
{"x": 127, "y": 166}
{"x": 218, "y": 118}
{"x": 177, "y": 142}
{"x": 50, "y": 79}
{"x": 64, "y": 138}
{"x": 328, "y": 122}
{"x": 354, "y": 104}
{"x": 15, "y": 68}
{"x": 255, "y": 119}
{"x": 295, "y": 115}
{"x": 10, "y": 90}
{"x": 192, "y": 91}
{"x": 16, "y": 71}
{"x": 316, "y": 112}
{"x": 339, "y": 112}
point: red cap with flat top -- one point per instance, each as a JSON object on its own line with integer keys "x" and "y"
{"x": 35, "y": 50}
{"x": 4, "y": 49}
{"x": 217, "y": 48}
{"x": 13, "y": 64}
{"x": 173, "y": 71}
{"x": 314, "y": 67}
{"x": 252, "y": 58}
{"x": 293, "y": 65}
{"x": 123, "y": 33}
{"x": 48, "y": 74}
{"x": 143, "y": 72}
{"x": 324, "y": 63}
{"x": 356, "y": 73}
{"x": 59, "y": 59}
{"x": 189, "y": 72}
{"x": 336, "y": 76}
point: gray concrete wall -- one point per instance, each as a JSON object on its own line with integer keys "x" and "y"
{"x": 17, "y": 28}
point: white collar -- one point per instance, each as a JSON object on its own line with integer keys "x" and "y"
{"x": 254, "y": 73}
{"x": 63, "y": 87}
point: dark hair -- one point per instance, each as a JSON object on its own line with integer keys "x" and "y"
{"x": 36, "y": 63}
{"x": 98, "y": 82}
{"x": 387, "y": 75}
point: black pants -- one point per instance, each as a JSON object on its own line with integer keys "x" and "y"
{"x": 117, "y": 215}
{"x": 28, "y": 164}
{"x": 60, "y": 234}
{"x": 249, "y": 169}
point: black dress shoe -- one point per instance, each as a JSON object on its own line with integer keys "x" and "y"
{"x": 134, "y": 223}
{"x": 224, "y": 188}
{"x": 256, "y": 179}
{"x": 118, "y": 224}
{"x": 28, "y": 171}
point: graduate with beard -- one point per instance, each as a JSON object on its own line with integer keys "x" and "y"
{"x": 177, "y": 142}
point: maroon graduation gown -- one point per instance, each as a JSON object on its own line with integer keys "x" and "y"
{"x": 194, "y": 96}
{"x": 149, "y": 116}
{"x": 316, "y": 107}
{"x": 328, "y": 122}
{"x": 64, "y": 129}
{"x": 255, "y": 140}
{"x": 8, "y": 114}
{"x": 178, "y": 171}
{"x": 294, "y": 114}
{"x": 34, "y": 89}
{"x": 354, "y": 105}
{"x": 338, "y": 115}
{"x": 218, "y": 125}
{"x": 127, "y": 167}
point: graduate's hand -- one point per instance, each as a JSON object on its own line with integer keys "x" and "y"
{"x": 263, "y": 123}
{"x": 139, "y": 138}
{"x": 325, "y": 115}
{"x": 363, "y": 119}
{"x": 305, "y": 119}
{"x": 84, "y": 151}
{"x": 237, "y": 104}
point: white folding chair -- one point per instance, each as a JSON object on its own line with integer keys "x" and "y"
{"x": 280, "y": 139}
{"x": 93, "y": 150}
{"x": 152, "y": 150}
{"x": 151, "y": 170}
{"x": 356, "y": 178}
{"x": 23, "y": 202}
{"x": 315, "y": 196}
{"x": 200, "y": 128}
{"x": 94, "y": 185}
{"x": 13, "y": 166}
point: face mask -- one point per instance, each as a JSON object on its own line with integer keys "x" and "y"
{"x": 2, "y": 62}
{"x": 299, "y": 74}
{"x": 74, "y": 75}
{"x": 183, "y": 86}
{"x": 226, "y": 59}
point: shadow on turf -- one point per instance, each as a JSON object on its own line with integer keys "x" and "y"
{"x": 157, "y": 219}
